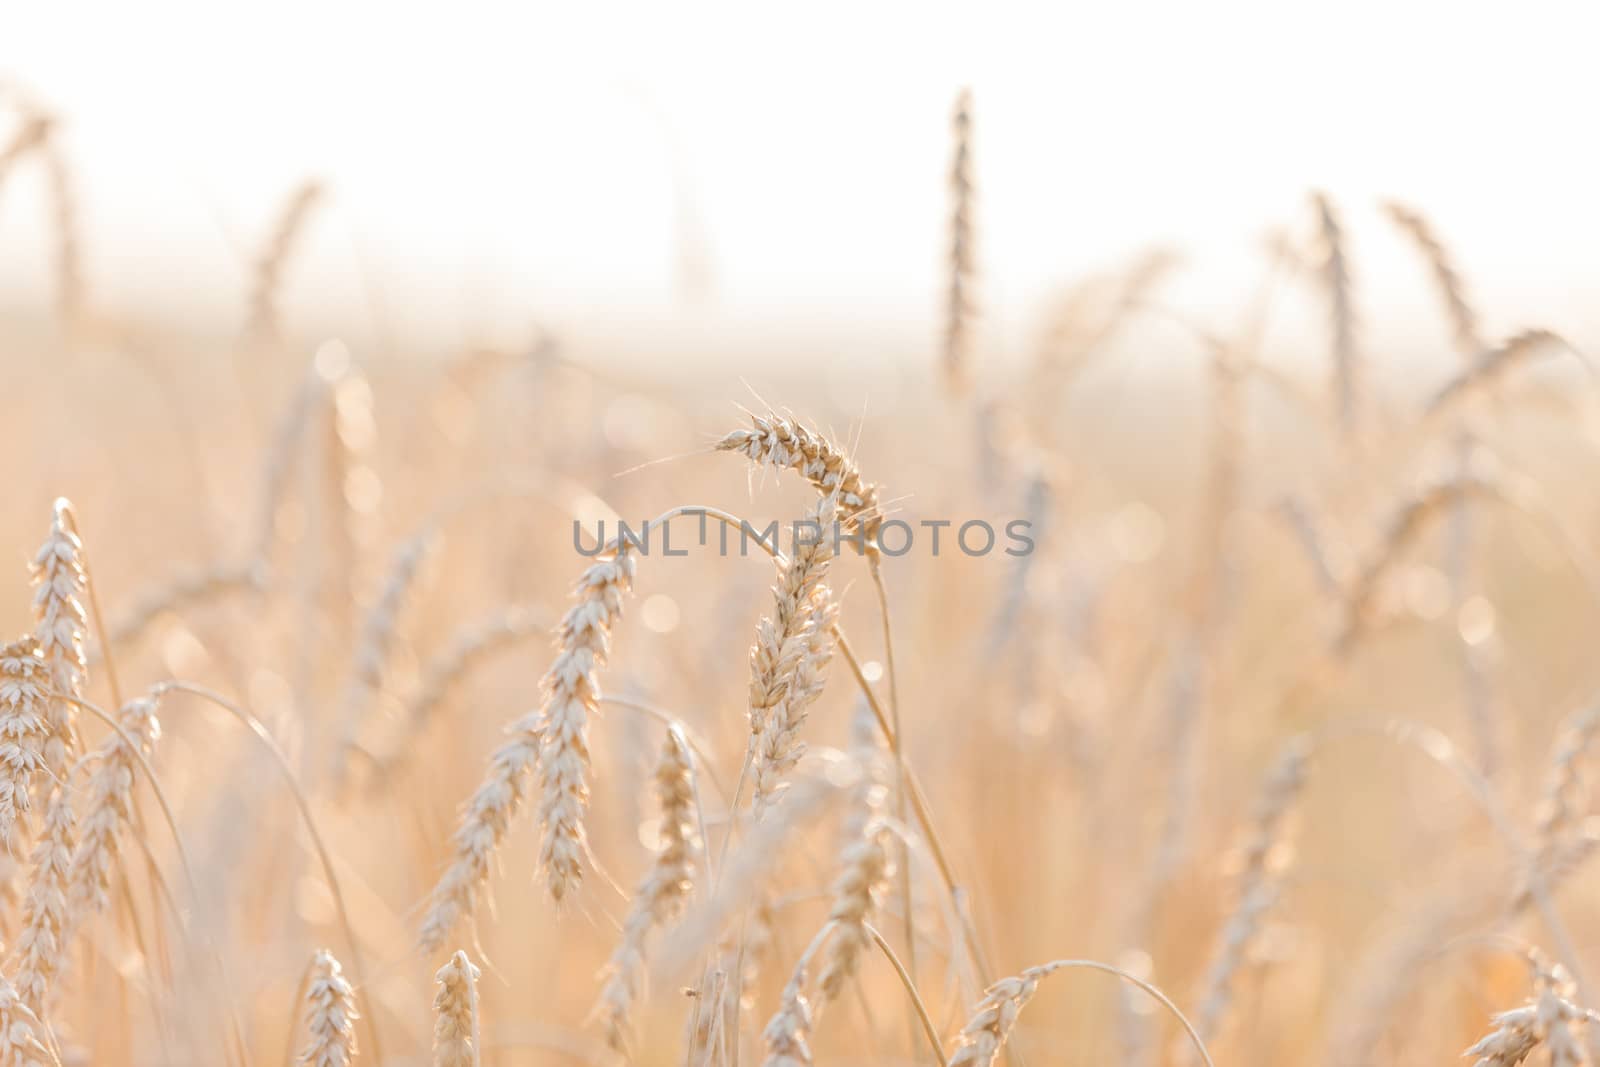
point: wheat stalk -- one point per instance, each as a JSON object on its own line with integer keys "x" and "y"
{"x": 330, "y": 1015}
{"x": 661, "y": 894}
{"x": 1463, "y": 319}
{"x": 455, "y": 1014}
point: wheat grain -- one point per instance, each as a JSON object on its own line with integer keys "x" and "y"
{"x": 330, "y": 1016}
{"x": 661, "y": 894}
{"x": 455, "y": 1014}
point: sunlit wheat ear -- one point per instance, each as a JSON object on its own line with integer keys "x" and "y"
{"x": 330, "y": 1016}
{"x": 455, "y": 1014}
{"x": 961, "y": 267}
{"x": 482, "y": 827}
{"x": 1463, "y": 319}
{"x": 572, "y": 694}
{"x": 378, "y": 633}
{"x": 986, "y": 1031}
{"x": 24, "y": 733}
{"x": 21, "y": 1032}
{"x": 864, "y": 863}
{"x": 110, "y": 807}
{"x": 783, "y": 444}
{"x": 41, "y": 946}
{"x": 282, "y": 452}
{"x": 787, "y": 1036}
{"x": 1495, "y": 363}
{"x": 1404, "y": 526}
{"x": 1335, "y": 274}
{"x": 1549, "y": 1019}
{"x": 718, "y": 999}
{"x": 1562, "y": 803}
{"x": 661, "y": 894}
{"x": 1258, "y": 889}
{"x": 275, "y": 256}
{"x": 185, "y": 589}
{"x": 61, "y": 624}
{"x": 780, "y": 746}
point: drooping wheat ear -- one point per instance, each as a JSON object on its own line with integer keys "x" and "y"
{"x": 455, "y": 1014}
{"x": 1335, "y": 273}
{"x": 788, "y": 1035}
{"x": 986, "y": 1032}
{"x": 20, "y": 1045}
{"x": 661, "y": 894}
{"x": 1495, "y": 363}
{"x": 275, "y": 256}
{"x": 1258, "y": 883}
{"x": 186, "y": 589}
{"x": 1405, "y": 525}
{"x": 1547, "y": 1020}
{"x": 61, "y": 624}
{"x": 483, "y": 824}
{"x": 378, "y": 632}
{"x": 864, "y": 862}
{"x": 960, "y": 304}
{"x": 470, "y": 647}
{"x": 1463, "y": 319}
{"x": 330, "y": 1015}
{"x": 572, "y": 695}
{"x": 42, "y": 944}
{"x": 24, "y": 733}
{"x": 780, "y": 443}
{"x": 110, "y": 807}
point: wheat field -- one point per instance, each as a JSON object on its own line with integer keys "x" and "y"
{"x": 342, "y": 722}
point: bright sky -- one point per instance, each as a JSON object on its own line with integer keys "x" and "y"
{"x": 489, "y": 159}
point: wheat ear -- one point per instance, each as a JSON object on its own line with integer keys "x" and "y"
{"x": 455, "y": 1014}
{"x": 962, "y": 262}
{"x": 1335, "y": 273}
{"x": 864, "y": 863}
{"x": 1495, "y": 363}
{"x": 46, "y": 921}
{"x": 61, "y": 625}
{"x": 20, "y": 1028}
{"x": 1463, "y": 319}
{"x": 275, "y": 257}
{"x": 24, "y": 733}
{"x": 1548, "y": 1019}
{"x": 110, "y": 807}
{"x": 780, "y": 443}
{"x": 330, "y": 1015}
{"x": 661, "y": 894}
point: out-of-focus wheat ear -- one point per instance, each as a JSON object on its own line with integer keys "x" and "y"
{"x": 185, "y": 589}
{"x": 787, "y": 1036}
{"x": 455, "y": 1014}
{"x": 961, "y": 266}
{"x": 481, "y": 828}
{"x": 109, "y": 810}
{"x": 864, "y": 863}
{"x": 1405, "y": 525}
{"x": 21, "y": 1032}
{"x": 275, "y": 255}
{"x": 783, "y": 444}
{"x": 24, "y": 733}
{"x": 70, "y": 286}
{"x": 1258, "y": 888}
{"x": 40, "y": 951}
{"x": 61, "y": 624}
{"x": 283, "y": 452}
{"x": 330, "y": 1016}
{"x": 1335, "y": 274}
{"x": 378, "y": 633}
{"x": 1494, "y": 364}
{"x": 572, "y": 694}
{"x": 1563, "y": 802}
{"x": 1446, "y": 278}
{"x": 661, "y": 894}
{"x": 30, "y": 133}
